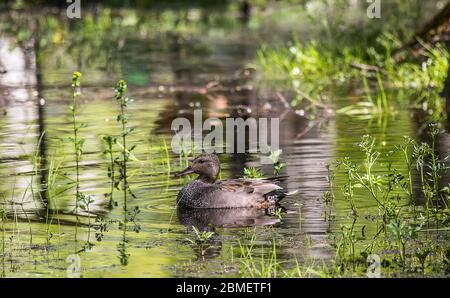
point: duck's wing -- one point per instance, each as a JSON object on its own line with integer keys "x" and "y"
{"x": 256, "y": 186}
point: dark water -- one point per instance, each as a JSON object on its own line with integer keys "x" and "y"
{"x": 168, "y": 73}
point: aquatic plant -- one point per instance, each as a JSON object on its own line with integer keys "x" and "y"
{"x": 164, "y": 150}
{"x": 252, "y": 173}
{"x": 278, "y": 213}
{"x": 379, "y": 187}
{"x": 110, "y": 141}
{"x": 305, "y": 69}
{"x": 75, "y": 139}
{"x": 406, "y": 149}
{"x": 122, "y": 100}
{"x": 85, "y": 202}
{"x": 53, "y": 172}
{"x": 345, "y": 250}
{"x": 201, "y": 240}
{"x": 267, "y": 266}
{"x": 431, "y": 169}
{"x": 388, "y": 189}
{"x": 402, "y": 232}
{"x": 370, "y": 106}
{"x": 277, "y": 164}
{"x": 422, "y": 253}
{"x": 311, "y": 70}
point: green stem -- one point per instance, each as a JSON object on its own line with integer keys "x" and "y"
{"x": 124, "y": 153}
{"x": 111, "y": 200}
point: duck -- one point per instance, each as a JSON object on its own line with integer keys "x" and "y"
{"x": 206, "y": 191}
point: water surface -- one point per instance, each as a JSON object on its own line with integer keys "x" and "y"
{"x": 169, "y": 74}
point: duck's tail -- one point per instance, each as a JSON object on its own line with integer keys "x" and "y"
{"x": 277, "y": 195}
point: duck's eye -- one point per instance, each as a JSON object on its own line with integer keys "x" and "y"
{"x": 201, "y": 161}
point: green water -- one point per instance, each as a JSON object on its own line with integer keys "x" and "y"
{"x": 167, "y": 68}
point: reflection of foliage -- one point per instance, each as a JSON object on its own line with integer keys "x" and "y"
{"x": 132, "y": 218}
{"x": 123, "y": 252}
{"x": 110, "y": 141}
{"x": 97, "y": 42}
{"x": 101, "y": 227}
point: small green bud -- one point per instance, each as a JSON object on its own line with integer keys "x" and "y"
{"x": 121, "y": 86}
{"x": 76, "y": 79}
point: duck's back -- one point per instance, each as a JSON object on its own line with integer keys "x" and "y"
{"x": 234, "y": 193}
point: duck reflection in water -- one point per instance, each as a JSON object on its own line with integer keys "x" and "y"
{"x": 202, "y": 224}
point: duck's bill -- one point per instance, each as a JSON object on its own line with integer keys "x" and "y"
{"x": 186, "y": 171}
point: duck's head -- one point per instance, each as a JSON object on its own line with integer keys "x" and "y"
{"x": 207, "y": 166}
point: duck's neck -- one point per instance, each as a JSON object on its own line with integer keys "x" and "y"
{"x": 207, "y": 179}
